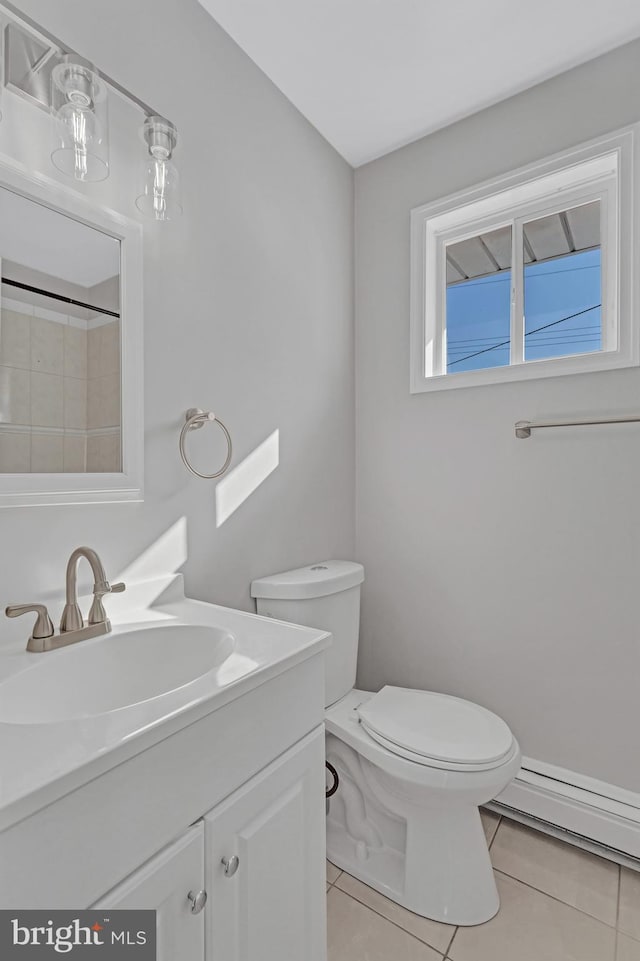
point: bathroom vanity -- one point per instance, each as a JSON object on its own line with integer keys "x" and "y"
{"x": 204, "y": 801}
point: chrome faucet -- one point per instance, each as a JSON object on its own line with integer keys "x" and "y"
{"x": 72, "y": 626}
{"x": 71, "y": 616}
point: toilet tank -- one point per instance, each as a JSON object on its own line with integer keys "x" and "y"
{"x": 326, "y": 596}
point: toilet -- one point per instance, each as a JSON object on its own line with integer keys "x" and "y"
{"x": 413, "y": 766}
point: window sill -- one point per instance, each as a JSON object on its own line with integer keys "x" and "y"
{"x": 532, "y": 370}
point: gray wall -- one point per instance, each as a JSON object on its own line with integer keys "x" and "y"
{"x": 248, "y": 311}
{"x": 498, "y": 570}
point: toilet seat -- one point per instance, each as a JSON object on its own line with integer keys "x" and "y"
{"x": 436, "y": 730}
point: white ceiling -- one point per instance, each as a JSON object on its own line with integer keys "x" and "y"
{"x": 372, "y": 75}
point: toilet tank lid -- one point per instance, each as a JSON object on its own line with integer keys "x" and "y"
{"x": 315, "y": 580}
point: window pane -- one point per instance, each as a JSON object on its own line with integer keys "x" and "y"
{"x": 562, "y": 284}
{"x": 478, "y": 322}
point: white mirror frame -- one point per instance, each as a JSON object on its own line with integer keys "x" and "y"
{"x": 29, "y": 490}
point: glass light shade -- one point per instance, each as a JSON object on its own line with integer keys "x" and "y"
{"x": 79, "y": 107}
{"x": 160, "y": 197}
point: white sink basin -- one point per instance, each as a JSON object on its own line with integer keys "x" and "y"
{"x": 69, "y": 714}
{"x": 120, "y": 670}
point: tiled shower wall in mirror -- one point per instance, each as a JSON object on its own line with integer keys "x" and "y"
{"x": 59, "y": 386}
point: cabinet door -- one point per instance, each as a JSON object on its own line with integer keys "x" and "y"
{"x": 272, "y": 906}
{"x": 162, "y": 884}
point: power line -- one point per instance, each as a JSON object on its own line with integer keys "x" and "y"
{"x": 540, "y": 343}
{"x": 564, "y": 340}
{"x": 537, "y": 329}
{"x": 563, "y": 337}
{"x": 477, "y": 341}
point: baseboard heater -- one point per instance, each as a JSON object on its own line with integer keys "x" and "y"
{"x": 594, "y": 815}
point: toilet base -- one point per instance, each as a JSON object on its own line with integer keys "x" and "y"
{"x": 438, "y": 883}
{"x": 424, "y": 849}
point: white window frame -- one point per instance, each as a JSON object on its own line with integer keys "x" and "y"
{"x": 606, "y": 170}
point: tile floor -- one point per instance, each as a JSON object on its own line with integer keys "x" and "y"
{"x": 558, "y": 903}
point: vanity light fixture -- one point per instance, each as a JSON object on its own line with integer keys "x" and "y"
{"x": 160, "y": 197}
{"x": 42, "y": 70}
{"x": 79, "y": 106}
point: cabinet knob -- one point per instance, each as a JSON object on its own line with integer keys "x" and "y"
{"x": 198, "y": 901}
{"x": 231, "y": 865}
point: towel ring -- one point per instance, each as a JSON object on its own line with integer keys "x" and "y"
{"x": 194, "y": 420}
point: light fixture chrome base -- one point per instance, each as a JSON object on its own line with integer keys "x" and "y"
{"x": 160, "y": 135}
{"x": 78, "y": 81}
{"x": 28, "y": 64}
{"x": 31, "y": 53}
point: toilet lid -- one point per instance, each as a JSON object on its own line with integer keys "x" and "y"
{"x": 436, "y": 726}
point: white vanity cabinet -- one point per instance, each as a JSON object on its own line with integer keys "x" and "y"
{"x": 259, "y": 856}
{"x": 239, "y": 776}
{"x": 265, "y": 864}
{"x": 162, "y": 885}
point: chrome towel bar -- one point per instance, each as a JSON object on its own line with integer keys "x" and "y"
{"x": 194, "y": 420}
{"x": 523, "y": 428}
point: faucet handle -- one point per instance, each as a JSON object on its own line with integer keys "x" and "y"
{"x": 42, "y": 627}
{"x": 97, "y": 614}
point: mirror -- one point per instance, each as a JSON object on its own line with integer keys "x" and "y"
{"x": 60, "y": 342}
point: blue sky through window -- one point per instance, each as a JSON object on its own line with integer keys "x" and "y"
{"x": 568, "y": 287}
{"x": 562, "y": 296}
{"x": 479, "y": 323}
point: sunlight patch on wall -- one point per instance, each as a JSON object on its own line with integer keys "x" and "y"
{"x": 246, "y": 477}
{"x": 166, "y": 555}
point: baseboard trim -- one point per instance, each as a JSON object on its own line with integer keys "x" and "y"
{"x": 590, "y": 813}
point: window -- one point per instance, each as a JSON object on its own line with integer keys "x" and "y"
{"x": 527, "y": 276}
